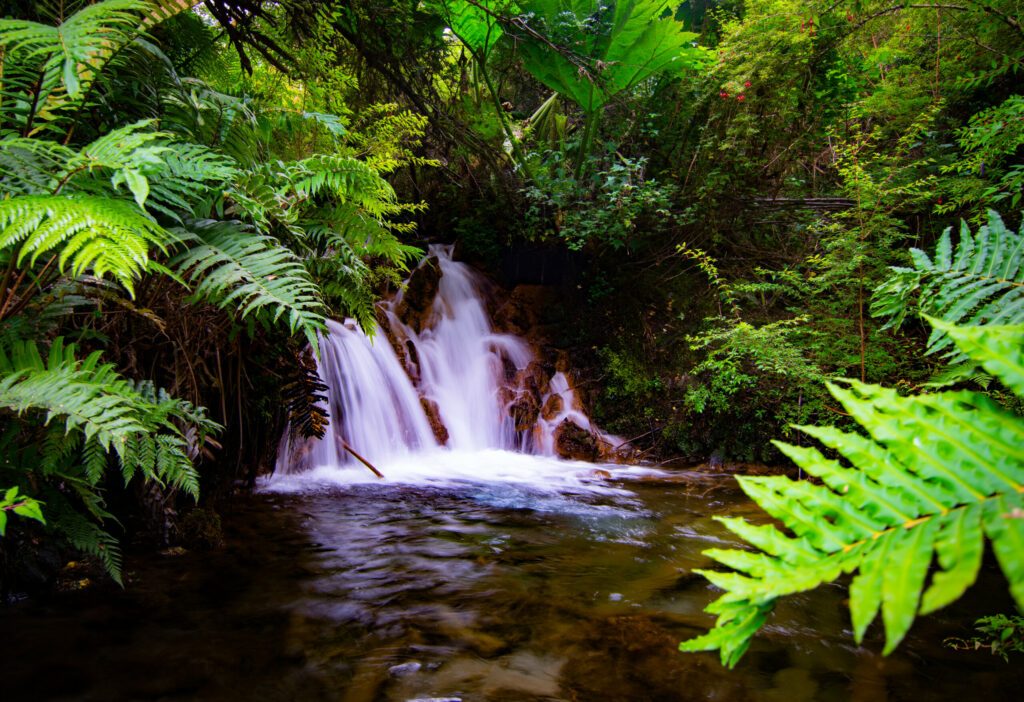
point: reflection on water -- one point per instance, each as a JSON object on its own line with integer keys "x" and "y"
{"x": 468, "y": 591}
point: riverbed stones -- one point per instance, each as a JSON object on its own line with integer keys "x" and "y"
{"x": 404, "y": 669}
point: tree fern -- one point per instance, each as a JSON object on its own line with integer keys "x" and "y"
{"x": 189, "y": 181}
{"x": 344, "y": 178}
{"x": 253, "y": 273}
{"x": 101, "y": 235}
{"x": 71, "y": 55}
{"x": 980, "y": 282}
{"x": 935, "y": 475}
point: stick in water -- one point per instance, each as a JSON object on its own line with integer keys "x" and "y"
{"x": 362, "y": 460}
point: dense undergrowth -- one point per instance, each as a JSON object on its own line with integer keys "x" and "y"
{"x": 736, "y": 202}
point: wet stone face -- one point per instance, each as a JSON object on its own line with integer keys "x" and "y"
{"x": 470, "y": 591}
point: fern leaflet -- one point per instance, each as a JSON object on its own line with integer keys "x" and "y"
{"x": 980, "y": 282}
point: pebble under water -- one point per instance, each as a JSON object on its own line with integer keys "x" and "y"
{"x": 468, "y": 591}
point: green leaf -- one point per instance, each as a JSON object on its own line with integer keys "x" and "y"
{"x": 982, "y": 284}
{"x": 933, "y": 475}
{"x": 138, "y": 184}
{"x": 590, "y": 52}
{"x": 903, "y": 577}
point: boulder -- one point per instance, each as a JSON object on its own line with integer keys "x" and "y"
{"x": 553, "y": 407}
{"x": 574, "y": 442}
{"x": 418, "y": 296}
{"x": 524, "y": 410}
{"x": 434, "y": 417}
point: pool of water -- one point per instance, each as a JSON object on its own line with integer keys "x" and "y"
{"x": 472, "y": 591}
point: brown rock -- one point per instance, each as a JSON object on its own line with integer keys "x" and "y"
{"x": 574, "y": 442}
{"x": 552, "y": 408}
{"x": 524, "y": 410}
{"x": 434, "y": 417}
{"x": 419, "y": 294}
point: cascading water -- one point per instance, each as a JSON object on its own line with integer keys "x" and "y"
{"x": 447, "y": 397}
{"x": 462, "y": 361}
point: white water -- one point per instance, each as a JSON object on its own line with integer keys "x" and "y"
{"x": 468, "y": 371}
{"x": 462, "y": 361}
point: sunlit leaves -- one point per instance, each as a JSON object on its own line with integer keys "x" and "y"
{"x": 934, "y": 473}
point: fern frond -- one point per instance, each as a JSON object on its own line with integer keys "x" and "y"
{"x": 72, "y": 55}
{"x": 934, "y": 475}
{"x": 345, "y": 178}
{"x": 235, "y": 268}
{"x": 73, "y": 52}
{"x": 32, "y": 166}
{"x": 89, "y": 537}
{"x": 83, "y": 233}
{"x": 980, "y": 282}
{"x": 189, "y": 180}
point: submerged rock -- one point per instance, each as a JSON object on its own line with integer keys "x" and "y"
{"x": 405, "y": 668}
{"x": 635, "y": 658}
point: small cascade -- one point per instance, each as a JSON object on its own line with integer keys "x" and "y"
{"x": 560, "y": 405}
{"x": 372, "y": 403}
{"x": 437, "y": 375}
{"x": 460, "y": 362}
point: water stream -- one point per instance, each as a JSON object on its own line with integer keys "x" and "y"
{"x": 482, "y": 569}
{"x": 454, "y": 364}
{"x": 472, "y": 591}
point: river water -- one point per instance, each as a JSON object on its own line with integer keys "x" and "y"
{"x": 483, "y": 569}
{"x": 473, "y": 590}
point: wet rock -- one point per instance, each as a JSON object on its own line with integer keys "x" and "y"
{"x": 405, "y": 669}
{"x": 537, "y": 377}
{"x": 419, "y": 293}
{"x": 524, "y": 411}
{"x": 574, "y": 442}
{"x": 517, "y": 314}
{"x": 608, "y": 452}
{"x": 552, "y": 408}
{"x": 433, "y": 413}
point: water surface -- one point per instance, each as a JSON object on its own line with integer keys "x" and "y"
{"x": 478, "y": 591}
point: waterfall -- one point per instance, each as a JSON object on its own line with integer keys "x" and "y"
{"x": 436, "y": 376}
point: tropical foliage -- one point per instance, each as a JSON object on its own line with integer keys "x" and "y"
{"x": 981, "y": 281}
{"x": 179, "y": 197}
{"x": 934, "y": 476}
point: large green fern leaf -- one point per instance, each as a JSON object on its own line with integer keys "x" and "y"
{"x": 932, "y": 476}
{"x": 82, "y": 233}
{"x": 237, "y": 268}
{"x": 590, "y": 51}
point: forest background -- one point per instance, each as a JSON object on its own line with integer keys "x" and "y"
{"x": 716, "y": 192}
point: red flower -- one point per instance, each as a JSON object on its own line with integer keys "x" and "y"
{"x": 746, "y": 84}
{"x": 741, "y": 97}
{"x": 724, "y": 95}
{"x": 940, "y": 200}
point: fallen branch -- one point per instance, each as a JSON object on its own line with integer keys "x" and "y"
{"x": 362, "y": 460}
